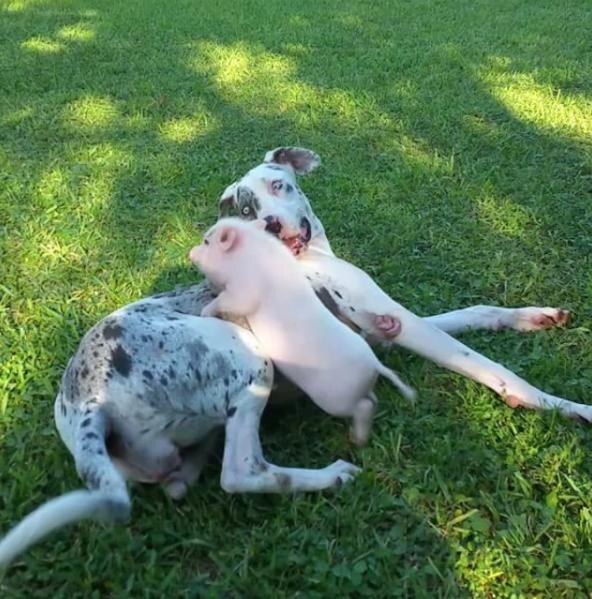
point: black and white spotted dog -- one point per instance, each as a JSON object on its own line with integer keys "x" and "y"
{"x": 150, "y": 384}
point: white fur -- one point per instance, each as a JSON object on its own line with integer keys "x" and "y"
{"x": 263, "y": 282}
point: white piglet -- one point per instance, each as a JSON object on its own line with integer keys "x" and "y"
{"x": 261, "y": 280}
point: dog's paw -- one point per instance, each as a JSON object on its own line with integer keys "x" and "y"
{"x": 536, "y": 319}
{"x": 343, "y": 472}
{"x": 176, "y": 489}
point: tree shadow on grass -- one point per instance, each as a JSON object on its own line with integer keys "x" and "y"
{"x": 114, "y": 146}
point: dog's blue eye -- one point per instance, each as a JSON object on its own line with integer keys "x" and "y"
{"x": 277, "y": 185}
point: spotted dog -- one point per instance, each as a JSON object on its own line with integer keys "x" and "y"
{"x": 270, "y": 191}
{"x": 142, "y": 400}
{"x": 148, "y": 386}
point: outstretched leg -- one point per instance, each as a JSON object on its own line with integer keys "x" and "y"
{"x": 494, "y": 318}
{"x": 354, "y": 297}
{"x": 245, "y": 470}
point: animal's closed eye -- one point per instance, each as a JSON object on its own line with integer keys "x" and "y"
{"x": 277, "y": 185}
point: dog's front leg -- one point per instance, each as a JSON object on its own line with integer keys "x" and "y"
{"x": 245, "y": 470}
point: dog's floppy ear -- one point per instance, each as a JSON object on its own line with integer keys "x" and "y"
{"x": 227, "y": 205}
{"x": 303, "y": 161}
{"x": 227, "y": 237}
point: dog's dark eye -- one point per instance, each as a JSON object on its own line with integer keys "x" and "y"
{"x": 246, "y": 210}
{"x": 277, "y": 185}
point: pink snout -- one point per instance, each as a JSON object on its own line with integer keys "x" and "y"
{"x": 194, "y": 254}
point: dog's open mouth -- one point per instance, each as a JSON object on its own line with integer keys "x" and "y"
{"x": 296, "y": 243}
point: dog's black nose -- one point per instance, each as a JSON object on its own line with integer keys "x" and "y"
{"x": 305, "y": 229}
{"x": 273, "y": 225}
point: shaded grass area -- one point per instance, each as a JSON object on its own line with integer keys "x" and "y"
{"x": 457, "y": 170}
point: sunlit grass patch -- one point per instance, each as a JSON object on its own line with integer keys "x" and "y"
{"x": 183, "y": 130}
{"x": 91, "y": 112}
{"x": 504, "y": 216}
{"x": 81, "y": 32}
{"x": 542, "y": 105}
{"x": 43, "y": 45}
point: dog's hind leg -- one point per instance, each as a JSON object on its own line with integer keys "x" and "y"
{"x": 362, "y": 420}
{"x": 245, "y": 470}
{"x": 193, "y": 461}
{"x": 431, "y": 342}
{"x": 352, "y": 295}
{"x": 494, "y": 318}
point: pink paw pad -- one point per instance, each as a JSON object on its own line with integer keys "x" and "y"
{"x": 558, "y": 319}
{"x": 388, "y": 325}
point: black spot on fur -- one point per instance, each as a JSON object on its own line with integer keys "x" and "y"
{"x": 95, "y": 354}
{"x": 352, "y": 308}
{"x": 172, "y": 318}
{"x": 337, "y": 294}
{"x": 163, "y": 381}
{"x": 144, "y": 339}
{"x": 112, "y": 331}
{"x": 226, "y": 381}
{"x": 160, "y": 344}
{"x": 86, "y": 422}
{"x": 84, "y": 372}
{"x": 284, "y": 481}
{"x": 147, "y": 374}
{"x": 172, "y": 374}
{"x": 140, "y": 309}
{"x": 230, "y": 412}
{"x": 91, "y": 435}
{"x": 329, "y": 303}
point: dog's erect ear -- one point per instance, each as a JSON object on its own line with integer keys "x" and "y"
{"x": 303, "y": 161}
{"x": 227, "y": 237}
{"x": 227, "y": 205}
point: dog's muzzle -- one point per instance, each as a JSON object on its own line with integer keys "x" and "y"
{"x": 296, "y": 243}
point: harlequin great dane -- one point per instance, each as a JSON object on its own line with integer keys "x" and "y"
{"x": 149, "y": 385}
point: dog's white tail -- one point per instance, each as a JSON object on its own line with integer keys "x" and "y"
{"x": 52, "y": 515}
{"x": 108, "y": 499}
{"x": 407, "y": 391}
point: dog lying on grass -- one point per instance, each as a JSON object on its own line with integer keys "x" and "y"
{"x": 149, "y": 384}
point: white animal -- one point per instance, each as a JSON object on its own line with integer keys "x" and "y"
{"x": 263, "y": 282}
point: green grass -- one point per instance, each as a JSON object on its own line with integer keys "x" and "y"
{"x": 457, "y": 169}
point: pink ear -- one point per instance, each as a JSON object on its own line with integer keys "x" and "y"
{"x": 228, "y": 238}
{"x": 259, "y": 224}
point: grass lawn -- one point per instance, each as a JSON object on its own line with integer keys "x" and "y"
{"x": 457, "y": 170}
